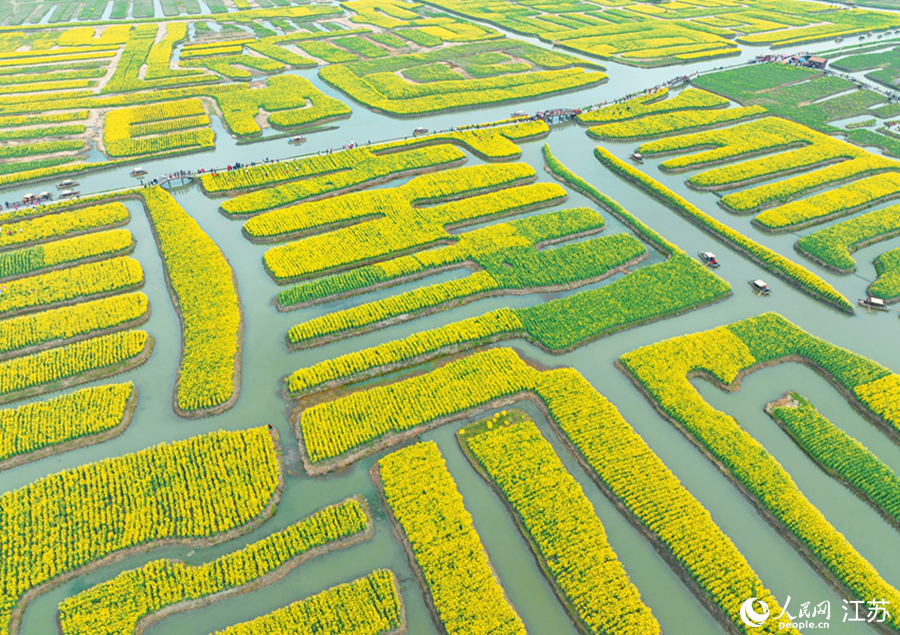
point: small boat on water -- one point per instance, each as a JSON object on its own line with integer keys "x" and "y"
{"x": 760, "y": 287}
{"x": 138, "y": 172}
{"x": 297, "y": 139}
{"x": 637, "y": 157}
{"x": 69, "y": 194}
{"x": 420, "y": 131}
{"x": 708, "y": 259}
{"x": 68, "y": 183}
{"x": 44, "y": 196}
{"x": 518, "y": 113}
{"x": 874, "y": 303}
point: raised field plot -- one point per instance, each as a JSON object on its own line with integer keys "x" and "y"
{"x": 739, "y": 349}
{"x": 383, "y": 317}
{"x": 790, "y": 175}
{"x": 649, "y": 33}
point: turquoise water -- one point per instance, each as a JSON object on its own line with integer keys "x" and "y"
{"x": 266, "y": 361}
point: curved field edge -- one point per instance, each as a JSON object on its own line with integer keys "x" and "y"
{"x": 74, "y": 443}
{"x": 563, "y": 582}
{"x": 870, "y": 479}
{"x": 724, "y": 356}
{"x": 794, "y": 274}
{"x": 85, "y": 376}
{"x": 347, "y": 611}
{"x": 588, "y": 424}
{"x": 205, "y": 295}
{"x": 21, "y": 603}
{"x": 506, "y": 324}
{"x": 145, "y": 621}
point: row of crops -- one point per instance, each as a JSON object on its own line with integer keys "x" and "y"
{"x": 70, "y": 305}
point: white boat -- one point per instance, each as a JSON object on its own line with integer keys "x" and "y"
{"x": 68, "y": 183}
{"x": 297, "y": 139}
{"x": 874, "y": 303}
{"x": 44, "y": 196}
{"x": 637, "y": 157}
{"x": 760, "y": 287}
{"x": 138, "y": 172}
{"x": 420, "y": 131}
{"x": 709, "y": 259}
{"x": 69, "y": 194}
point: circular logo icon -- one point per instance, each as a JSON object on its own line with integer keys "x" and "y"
{"x": 749, "y": 615}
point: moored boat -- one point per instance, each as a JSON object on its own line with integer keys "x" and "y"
{"x": 138, "y": 172}
{"x": 760, "y": 287}
{"x": 709, "y": 259}
{"x": 874, "y": 303}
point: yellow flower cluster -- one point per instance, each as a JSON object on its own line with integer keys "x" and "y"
{"x": 83, "y": 413}
{"x": 833, "y": 245}
{"x": 206, "y": 296}
{"x": 654, "y": 103}
{"x": 562, "y": 523}
{"x": 482, "y": 246}
{"x": 669, "y": 122}
{"x": 632, "y": 472}
{"x": 213, "y": 48}
{"x": 425, "y": 188}
{"x": 332, "y": 428}
{"x": 882, "y": 396}
{"x": 365, "y": 167}
{"x": 85, "y": 36}
{"x": 425, "y": 502}
{"x": 887, "y": 285}
{"x": 34, "y": 120}
{"x": 419, "y": 346}
{"x": 400, "y": 228}
{"x": 371, "y": 605}
{"x": 194, "y": 490}
{"x": 494, "y": 143}
{"x": 839, "y": 453}
{"x": 511, "y": 266}
{"x": 767, "y": 258}
{"x": 387, "y": 92}
{"x": 405, "y": 306}
{"x": 181, "y": 122}
{"x": 821, "y": 151}
{"x": 290, "y": 100}
{"x": 75, "y": 321}
{"x": 163, "y": 126}
{"x": 256, "y": 176}
{"x": 559, "y": 170}
{"x": 662, "y": 369}
{"x": 620, "y": 458}
{"x": 65, "y": 285}
{"x": 779, "y": 192}
{"x": 837, "y": 202}
{"x": 62, "y": 224}
{"x": 158, "y": 59}
{"x": 768, "y": 134}
{"x": 79, "y": 362}
{"x": 18, "y": 262}
{"x": 115, "y": 607}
